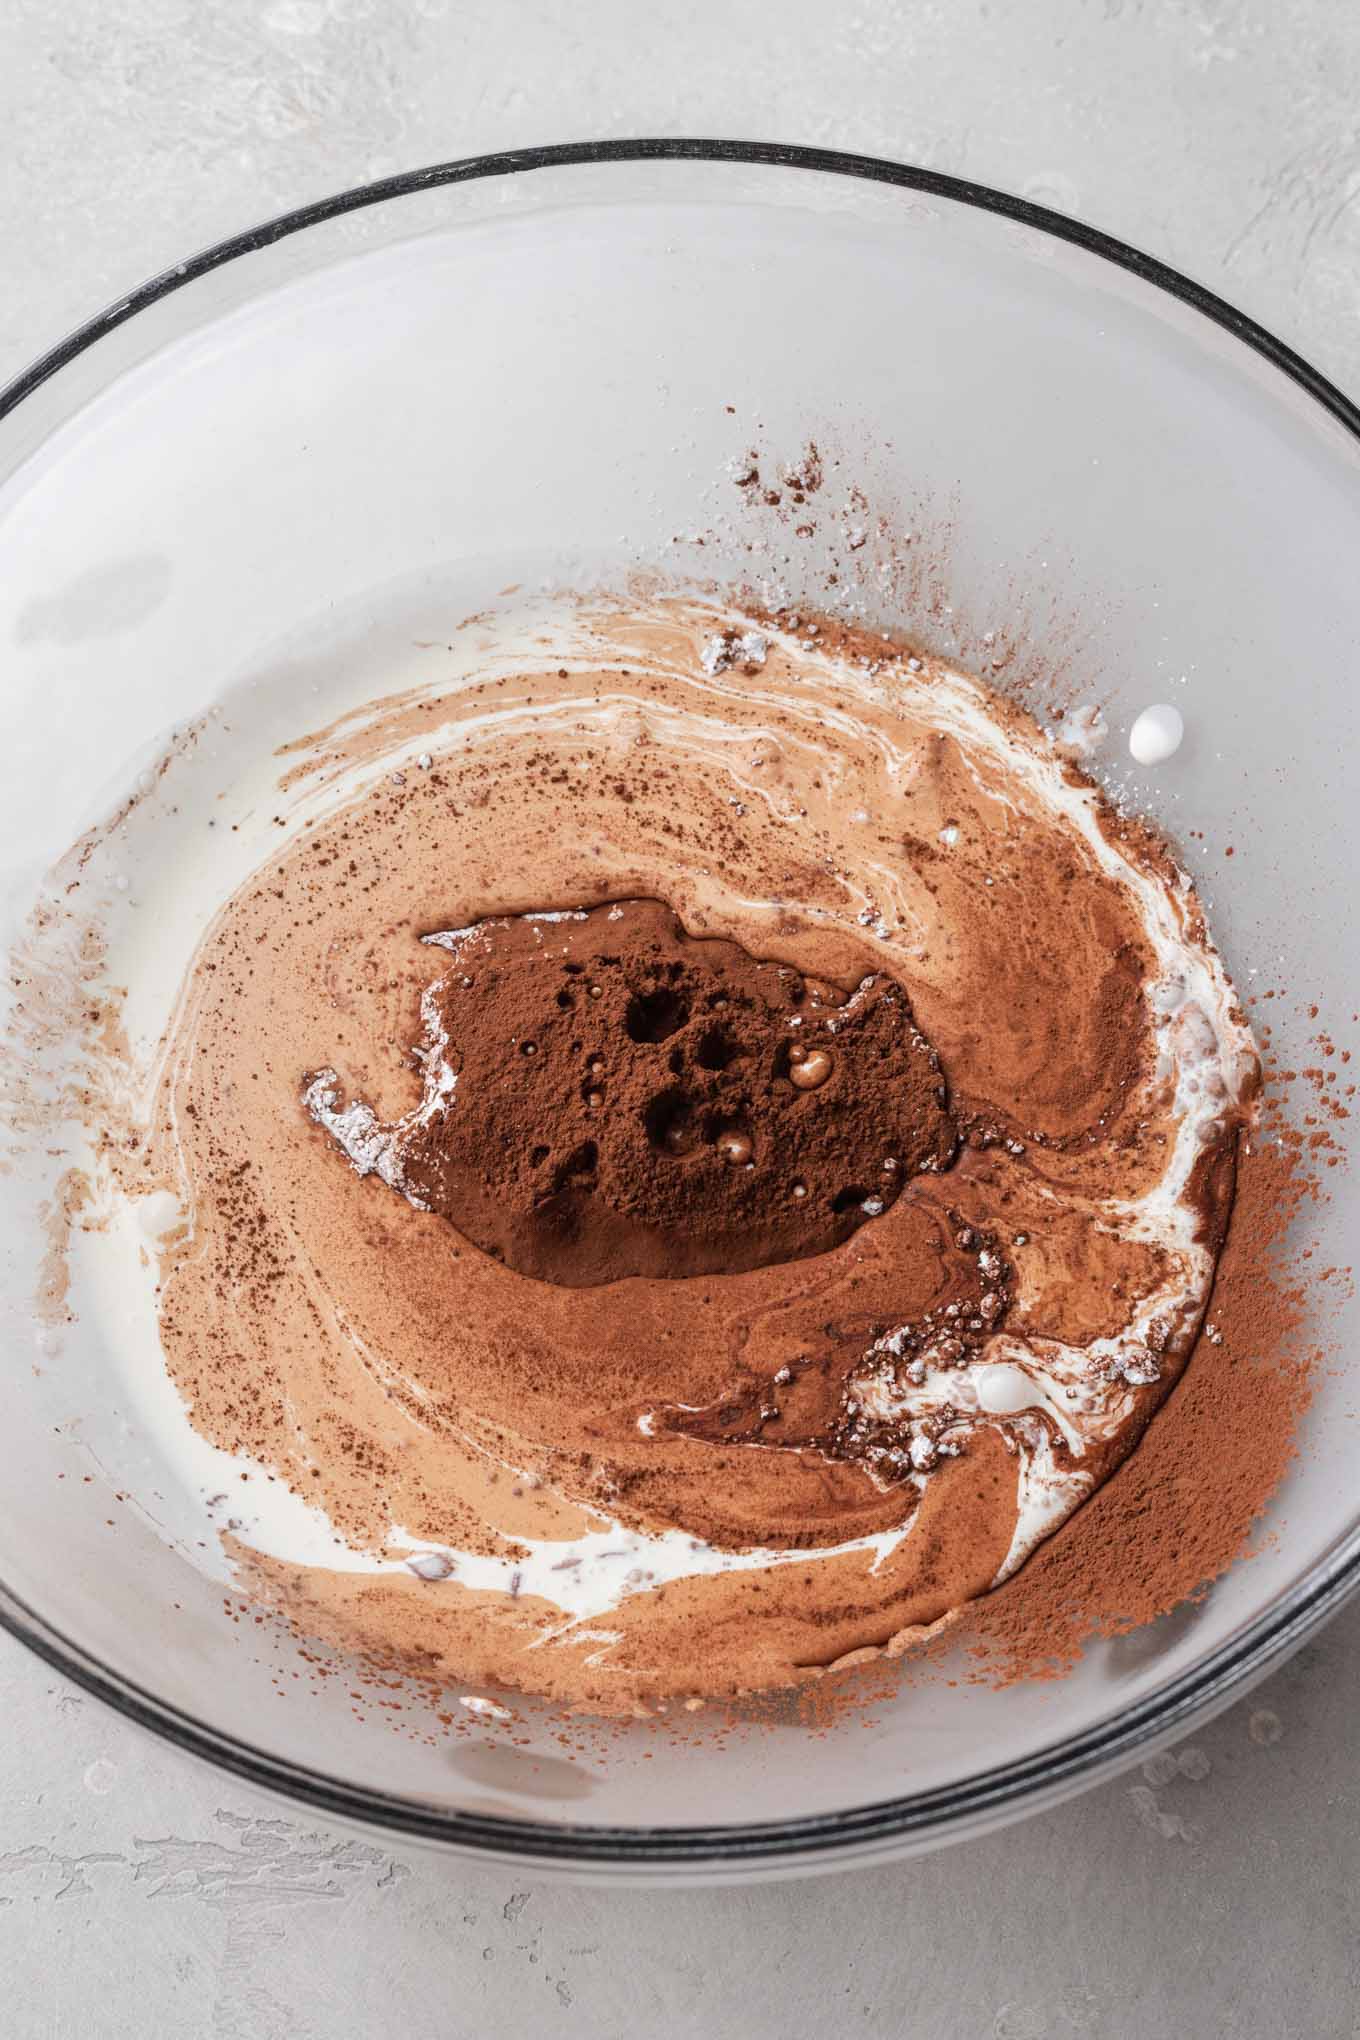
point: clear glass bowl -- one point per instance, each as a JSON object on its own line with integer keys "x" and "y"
{"x": 347, "y": 426}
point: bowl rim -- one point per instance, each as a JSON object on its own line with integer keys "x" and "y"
{"x": 910, "y": 1820}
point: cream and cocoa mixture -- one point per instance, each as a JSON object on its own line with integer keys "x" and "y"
{"x": 706, "y": 1142}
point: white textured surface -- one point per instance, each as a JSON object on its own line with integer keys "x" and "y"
{"x": 1214, "y": 1891}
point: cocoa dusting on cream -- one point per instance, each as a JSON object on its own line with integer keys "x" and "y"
{"x": 698, "y": 1164}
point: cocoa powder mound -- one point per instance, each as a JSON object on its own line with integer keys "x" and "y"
{"x": 631, "y": 1100}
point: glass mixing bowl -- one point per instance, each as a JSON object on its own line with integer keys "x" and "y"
{"x": 348, "y": 428}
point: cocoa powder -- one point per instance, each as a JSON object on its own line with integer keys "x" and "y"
{"x": 1186, "y": 1504}
{"x": 836, "y": 1405}
{"x": 632, "y": 1101}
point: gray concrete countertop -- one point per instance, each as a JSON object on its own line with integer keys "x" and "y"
{"x": 1215, "y": 1891}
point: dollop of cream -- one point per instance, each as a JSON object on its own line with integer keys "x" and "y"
{"x": 1157, "y": 734}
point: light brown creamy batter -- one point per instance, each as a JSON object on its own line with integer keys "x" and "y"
{"x": 933, "y": 1392}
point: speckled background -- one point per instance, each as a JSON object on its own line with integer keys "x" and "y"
{"x": 1215, "y": 1892}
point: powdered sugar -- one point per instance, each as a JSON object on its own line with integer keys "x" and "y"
{"x": 372, "y": 1149}
{"x": 733, "y": 648}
